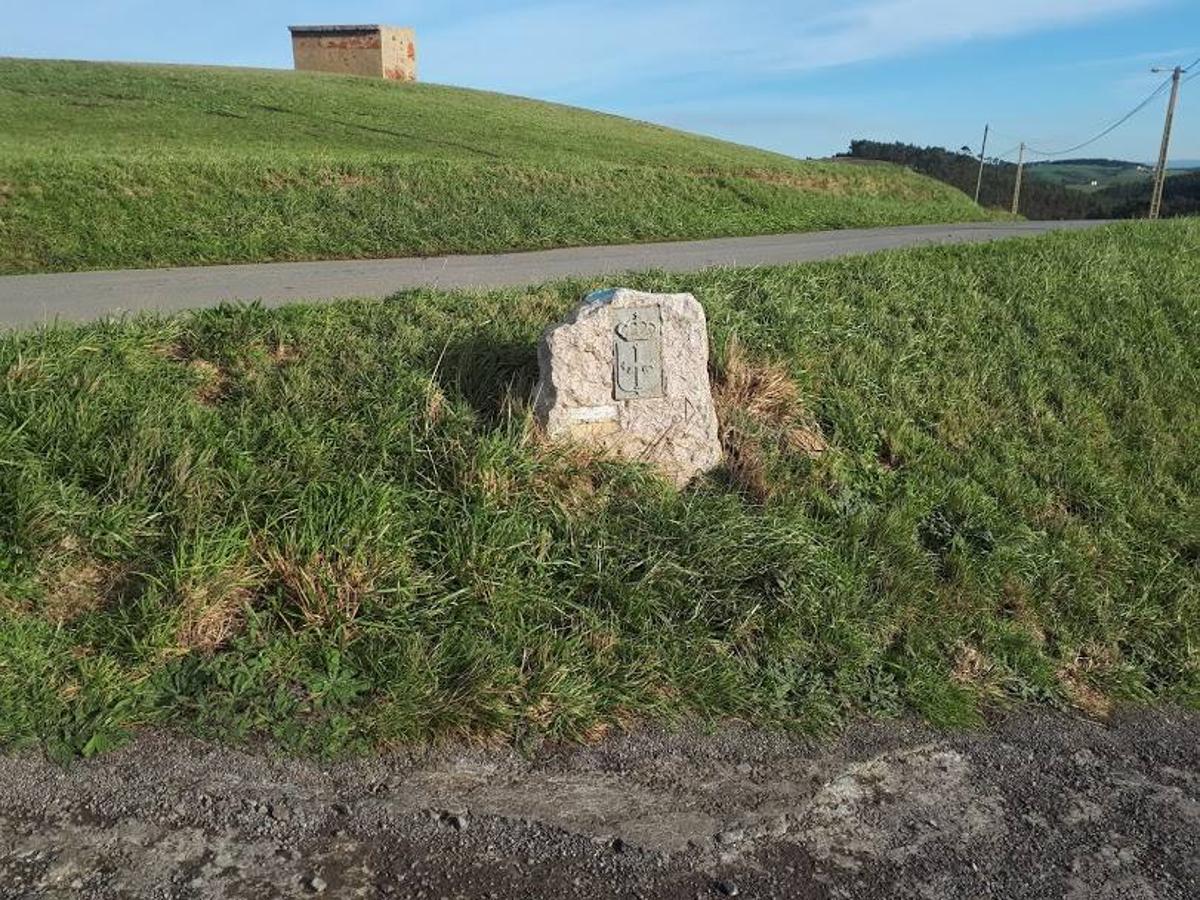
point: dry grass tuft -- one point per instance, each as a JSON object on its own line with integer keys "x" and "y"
{"x": 214, "y": 382}
{"x": 281, "y": 181}
{"x": 603, "y": 640}
{"x": 497, "y": 483}
{"x": 81, "y": 586}
{"x": 213, "y": 379}
{"x": 971, "y": 665}
{"x": 211, "y": 613}
{"x": 283, "y": 354}
{"x": 1053, "y": 515}
{"x": 808, "y": 440}
{"x": 762, "y": 395}
{"x": 763, "y": 391}
{"x": 435, "y": 404}
{"x": 1076, "y": 683}
{"x": 823, "y": 183}
{"x": 349, "y": 180}
{"x": 137, "y": 191}
{"x": 23, "y": 369}
{"x": 569, "y": 474}
{"x": 543, "y": 711}
{"x": 11, "y": 606}
{"x": 1084, "y": 696}
{"x": 324, "y": 590}
{"x": 568, "y": 477}
{"x": 859, "y": 181}
{"x": 975, "y": 669}
{"x": 594, "y": 734}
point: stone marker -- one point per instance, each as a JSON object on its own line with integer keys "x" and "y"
{"x": 628, "y": 372}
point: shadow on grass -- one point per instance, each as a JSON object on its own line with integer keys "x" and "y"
{"x": 488, "y": 372}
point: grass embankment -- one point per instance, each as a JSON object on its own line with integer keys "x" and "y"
{"x": 115, "y": 166}
{"x": 959, "y": 476}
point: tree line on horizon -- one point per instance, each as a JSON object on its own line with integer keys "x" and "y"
{"x": 1039, "y": 199}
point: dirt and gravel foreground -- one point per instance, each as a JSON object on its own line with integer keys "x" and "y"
{"x": 1038, "y": 805}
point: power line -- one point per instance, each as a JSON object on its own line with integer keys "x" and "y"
{"x": 1002, "y": 134}
{"x": 1111, "y": 128}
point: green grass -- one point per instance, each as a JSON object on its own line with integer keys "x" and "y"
{"x": 110, "y": 166}
{"x": 331, "y": 525}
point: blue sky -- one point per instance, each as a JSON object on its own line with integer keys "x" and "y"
{"x": 803, "y": 77}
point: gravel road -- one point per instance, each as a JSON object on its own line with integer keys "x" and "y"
{"x": 1037, "y": 805}
{"x": 32, "y": 299}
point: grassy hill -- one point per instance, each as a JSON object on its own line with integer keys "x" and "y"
{"x": 1181, "y": 197}
{"x": 960, "y": 477}
{"x": 105, "y": 165}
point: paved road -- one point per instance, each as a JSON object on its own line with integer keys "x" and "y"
{"x": 31, "y": 299}
{"x": 1038, "y": 806}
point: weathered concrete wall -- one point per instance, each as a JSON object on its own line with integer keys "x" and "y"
{"x": 399, "y": 53}
{"x": 373, "y": 51}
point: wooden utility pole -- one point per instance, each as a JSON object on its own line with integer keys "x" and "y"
{"x": 982, "y": 151}
{"x": 1017, "y": 185}
{"x": 1160, "y": 174}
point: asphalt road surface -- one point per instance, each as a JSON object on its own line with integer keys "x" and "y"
{"x": 1036, "y": 805}
{"x": 81, "y": 296}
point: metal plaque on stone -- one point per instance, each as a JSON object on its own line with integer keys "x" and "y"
{"x": 637, "y": 353}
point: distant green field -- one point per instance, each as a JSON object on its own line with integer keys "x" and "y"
{"x": 1082, "y": 175}
{"x": 106, "y": 165}
{"x": 1108, "y": 173}
{"x": 956, "y": 478}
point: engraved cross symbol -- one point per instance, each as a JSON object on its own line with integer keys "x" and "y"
{"x": 638, "y": 356}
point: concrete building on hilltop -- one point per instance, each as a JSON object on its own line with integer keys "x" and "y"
{"x": 374, "y": 51}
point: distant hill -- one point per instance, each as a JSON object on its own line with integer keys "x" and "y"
{"x": 1060, "y": 189}
{"x": 1181, "y": 197}
{"x": 1040, "y": 199}
{"x": 113, "y": 166}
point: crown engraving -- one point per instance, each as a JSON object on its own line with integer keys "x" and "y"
{"x": 636, "y": 329}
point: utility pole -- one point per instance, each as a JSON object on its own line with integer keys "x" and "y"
{"x": 1160, "y": 174}
{"x": 982, "y": 151}
{"x": 1017, "y": 185}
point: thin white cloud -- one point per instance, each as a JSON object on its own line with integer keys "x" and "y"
{"x": 566, "y": 47}
{"x": 1171, "y": 57}
{"x": 889, "y": 28}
